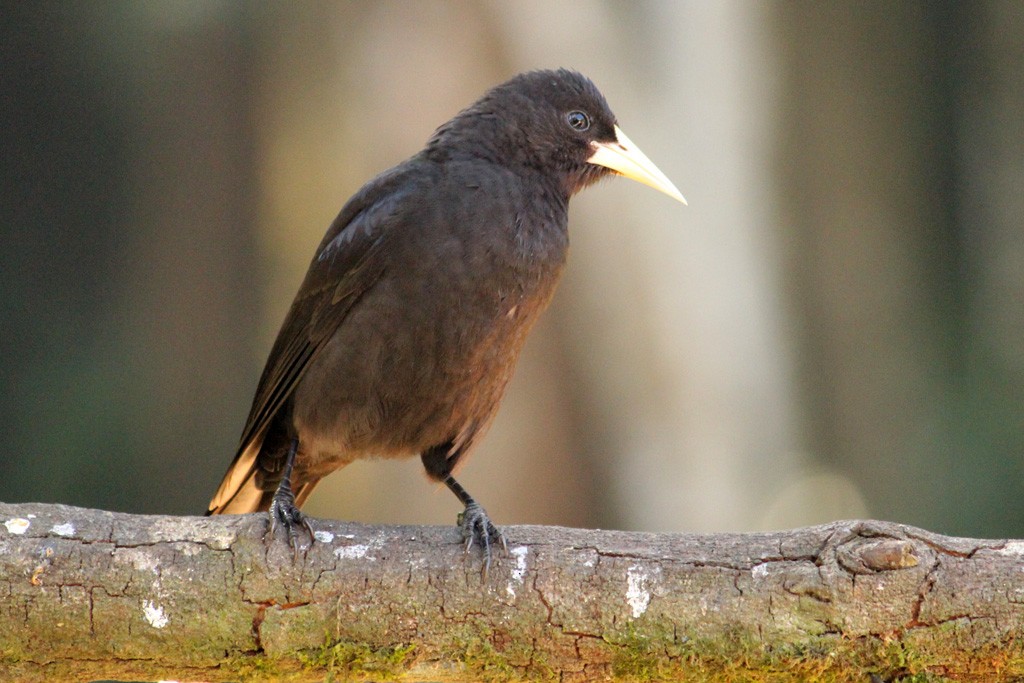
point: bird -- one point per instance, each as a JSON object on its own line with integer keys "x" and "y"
{"x": 410, "y": 319}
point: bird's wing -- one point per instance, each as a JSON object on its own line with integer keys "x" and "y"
{"x": 347, "y": 263}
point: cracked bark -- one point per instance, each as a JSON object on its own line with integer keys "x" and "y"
{"x": 87, "y": 594}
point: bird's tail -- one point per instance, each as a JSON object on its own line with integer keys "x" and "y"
{"x": 245, "y": 489}
{"x": 238, "y": 492}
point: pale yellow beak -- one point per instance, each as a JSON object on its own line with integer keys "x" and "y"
{"x": 625, "y": 158}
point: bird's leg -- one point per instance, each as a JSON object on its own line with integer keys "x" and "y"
{"x": 282, "y": 506}
{"x": 476, "y": 525}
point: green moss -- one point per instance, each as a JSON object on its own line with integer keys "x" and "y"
{"x": 647, "y": 654}
{"x": 536, "y": 666}
{"x": 482, "y": 660}
{"x": 641, "y": 657}
{"x": 339, "y": 660}
{"x": 359, "y": 660}
{"x": 255, "y": 668}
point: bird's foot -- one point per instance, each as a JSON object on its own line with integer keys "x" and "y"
{"x": 477, "y": 529}
{"x": 284, "y": 512}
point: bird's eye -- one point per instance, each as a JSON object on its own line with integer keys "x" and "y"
{"x": 578, "y": 120}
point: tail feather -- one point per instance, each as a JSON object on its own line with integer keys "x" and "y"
{"x": 239, "y": 492}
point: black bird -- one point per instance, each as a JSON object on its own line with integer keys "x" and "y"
{"x": 407, "y": 327}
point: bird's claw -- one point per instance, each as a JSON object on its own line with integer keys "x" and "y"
{"x": 284, "y": 512}
{"x": 477, "y": 529}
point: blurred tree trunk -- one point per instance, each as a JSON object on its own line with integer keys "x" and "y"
{"x": 129, "y": 162}
{"x": 188, "y": 287}
{"x": 900, "y": 140}
{"x": 990, "y": 107}
{"x": 668, "y": 319}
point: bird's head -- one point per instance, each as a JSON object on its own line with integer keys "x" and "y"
{"x": 558, "y": 123}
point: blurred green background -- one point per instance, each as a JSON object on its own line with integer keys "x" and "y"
{"x": 833, "y": 328}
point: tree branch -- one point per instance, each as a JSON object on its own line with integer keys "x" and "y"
{"x": 87, "y": 594}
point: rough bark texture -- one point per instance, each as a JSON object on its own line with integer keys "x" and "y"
{"x": 87, "y": 594}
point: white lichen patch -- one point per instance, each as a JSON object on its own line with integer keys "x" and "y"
{"x": 637, "y": 595}
{"x": 188, "y": 549}
{"x": 351, "y": 552}
{"x": 66, "y": 529}
{"x": 1015, "y": 548}
{"x": 323, "y": 536}
{"x": 154, "y": 614}
{"x": 519, "y": 571}
{"x": 138, "y": 558}
{"x": 17, "y": 525}
{"x": 759, "y": 571}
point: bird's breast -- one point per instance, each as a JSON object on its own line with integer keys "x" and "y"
{"x": 427, "y": 352}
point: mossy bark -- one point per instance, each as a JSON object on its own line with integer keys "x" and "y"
{"x": 87, "y": 594}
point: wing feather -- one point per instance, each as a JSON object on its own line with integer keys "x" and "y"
{"x": 348, "y": 262}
